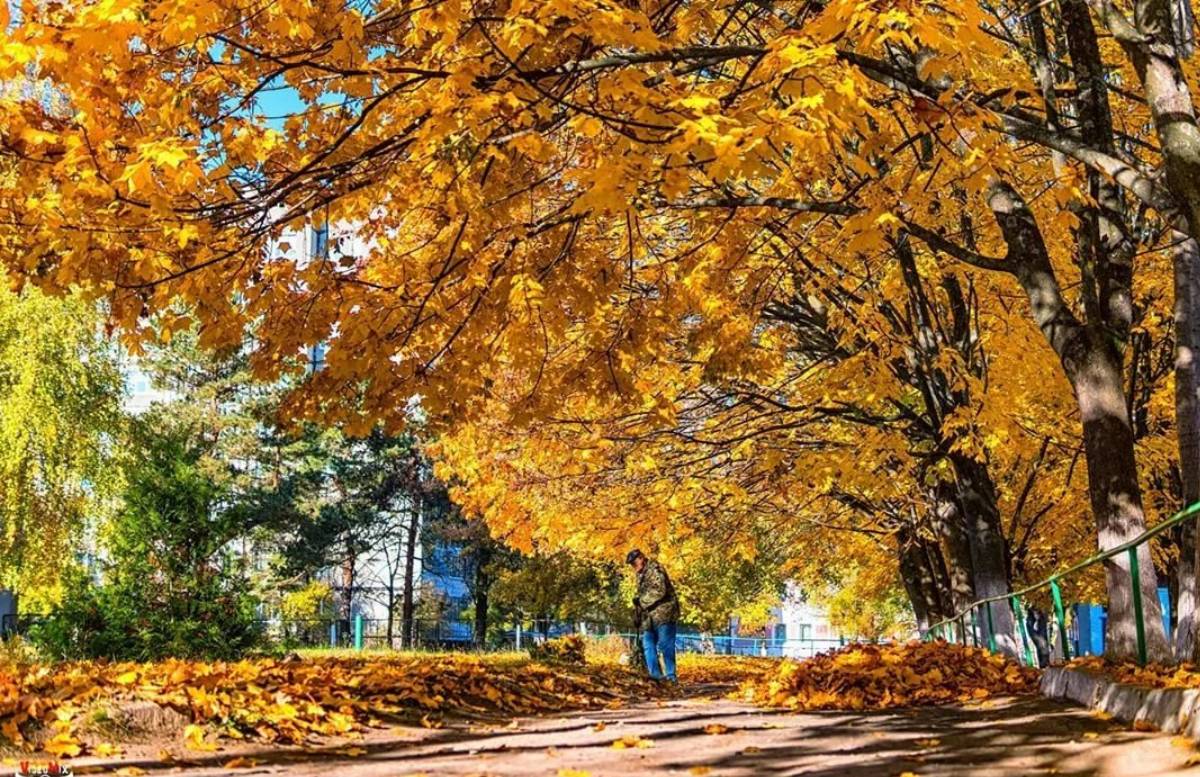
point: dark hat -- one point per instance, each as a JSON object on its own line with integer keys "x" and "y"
{"x": 633, "y": 556}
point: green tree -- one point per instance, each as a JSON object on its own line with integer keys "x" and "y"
{"x": 561, "y": 587}
{"x": 60, "y": 418}
{"x": 169, "y": 586}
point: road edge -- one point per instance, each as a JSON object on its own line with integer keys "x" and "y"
{"x": 1171, "y": 710}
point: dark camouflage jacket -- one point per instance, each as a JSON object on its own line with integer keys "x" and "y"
{"x": 656, "y": 596}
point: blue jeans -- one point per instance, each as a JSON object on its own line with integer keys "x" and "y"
{"x": 655, "y": 639}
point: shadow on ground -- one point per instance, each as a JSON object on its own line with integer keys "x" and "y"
{"x": 721, "y": 737}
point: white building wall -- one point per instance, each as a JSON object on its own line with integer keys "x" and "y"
{"x": 805, "y": 628}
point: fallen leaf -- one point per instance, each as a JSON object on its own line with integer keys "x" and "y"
{"x": 699, "y": 771}
{"x": 716, "y": 728}
{"x": 241, "y": 762}
{"x": 106, "y": 749}
{"x": 63, "y": 745}
{"x": 130, "y": 771}
{"x": 573, "y": 773}
{"x": 193, "y": 739}
{"x": 599, "y": 726}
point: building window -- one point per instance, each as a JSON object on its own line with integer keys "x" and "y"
{"x": 320, "y": 241}
{"x": 805, "y": 631}
{"x": 316, "y": 357}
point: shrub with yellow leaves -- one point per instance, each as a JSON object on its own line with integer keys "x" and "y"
{"x": 893, "y": 675}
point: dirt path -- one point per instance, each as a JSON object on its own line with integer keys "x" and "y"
{"x": 1004, "y": 737}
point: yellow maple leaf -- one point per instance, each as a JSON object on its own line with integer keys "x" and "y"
{"x": 63, "y": 745}
{"x": 193, "y": 739}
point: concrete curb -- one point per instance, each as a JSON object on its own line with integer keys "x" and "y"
{"x": 1173, "y": 710}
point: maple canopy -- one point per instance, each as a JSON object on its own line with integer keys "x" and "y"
{"x": 728, "y": 273}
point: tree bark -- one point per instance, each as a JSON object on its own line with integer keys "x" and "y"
{"x": 1116, "y": 500}
{"x": 918, "y": 578}
{"x": 1187, "y": 420}
{"x": 408, "y": 607}
{"x": 482, "y": 589}
{"x": 950, "y": 525}
{"x": 989, "y": 561}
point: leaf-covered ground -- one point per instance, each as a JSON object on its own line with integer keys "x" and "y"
{"x": 860, "y": 677}
{"x": 53, "y": 708}
{"x": 1186, "y": 675}
{"x": 60, "y": 709}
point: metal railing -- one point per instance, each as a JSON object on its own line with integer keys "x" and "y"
{"x": 945, "y": 629}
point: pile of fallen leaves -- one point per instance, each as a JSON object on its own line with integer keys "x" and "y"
{"x": 293, "y": 701}
{"x": 860, "y": 677}
{"x": 1185, "y": 675}
{"x": 562, "y": 650}
{"x": 701, "y": 669}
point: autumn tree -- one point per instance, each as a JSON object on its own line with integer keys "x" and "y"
{"x": 549, "y": 195}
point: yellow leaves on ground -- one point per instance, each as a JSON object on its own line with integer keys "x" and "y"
{"x": 193, "y": 739}
{"x": 697, "y": 669}
{"x": 126, "y": 678}
{"x": 241, "y": 762}
{"x": 631, "y": 742}
{"x": 63, "y": 745}
{"x": 292, "y": 701}
{"x": 716, "y": 729}
{"x": 895, "y": 675}
{"x": 1186, "y": 675}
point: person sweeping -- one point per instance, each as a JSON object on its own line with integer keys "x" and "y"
{"x": 656, "y": 609}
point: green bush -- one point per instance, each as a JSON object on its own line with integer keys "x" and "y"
{"x": 129, "y": 622}
{"x": 168, "y": 587}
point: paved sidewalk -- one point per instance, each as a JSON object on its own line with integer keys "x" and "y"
{"x": 723, "y": 738}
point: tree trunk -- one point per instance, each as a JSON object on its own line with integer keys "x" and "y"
{"x": 1117, "y": 500}
{"x": 348, "y": 565}
{"x": 391, "y": 611}
{"x": 408, "y": 611}
{"x": 1092, "y": 363}
{"x": 918, "y": 581}
{"x": 950, "y": 525}
{"x": 1187, "y": 420}
{"x": 989, "y": 561}
{"x": 482, "y": 587}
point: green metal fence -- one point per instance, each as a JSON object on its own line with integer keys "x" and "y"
{"x": 956, "y": 628}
